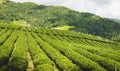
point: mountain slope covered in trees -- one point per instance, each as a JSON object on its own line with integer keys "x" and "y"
{"x": 57, "y": 16}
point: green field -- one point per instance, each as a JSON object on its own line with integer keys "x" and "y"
{"x": 36, "y": 49}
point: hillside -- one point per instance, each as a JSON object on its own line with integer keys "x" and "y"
{"x": 58, "y": 17}
{"x": 38, "y": 49}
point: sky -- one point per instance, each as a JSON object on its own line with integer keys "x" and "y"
{"x": 103, "y": 8}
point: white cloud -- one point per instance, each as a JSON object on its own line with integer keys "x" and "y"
{"x": 104, "y": 8}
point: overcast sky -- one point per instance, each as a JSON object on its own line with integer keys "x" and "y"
{"x": 104, "y": 8}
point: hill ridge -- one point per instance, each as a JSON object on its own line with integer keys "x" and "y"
{"x": 57, "y": 16}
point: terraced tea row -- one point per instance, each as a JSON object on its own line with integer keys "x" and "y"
{"x": 51, "y": 50}
{"x": 6, "y": 48}
{"x": 107, "y": 63}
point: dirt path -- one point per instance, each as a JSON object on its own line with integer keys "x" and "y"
{"x": 30, "y": 66}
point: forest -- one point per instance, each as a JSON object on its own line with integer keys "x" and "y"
{"x": 58, "y": 16}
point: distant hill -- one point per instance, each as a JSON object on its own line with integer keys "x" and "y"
{"x": 116, "y": 20}
{"x": 57, "y": 16}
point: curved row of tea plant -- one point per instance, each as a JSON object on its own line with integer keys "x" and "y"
{"x": 83, "y": 62}
{"x": 18, "y": 60}
{"x": 2, "y": 31}
{"x": 109, "y": 52}
{"x": 89, "y": 42}
{"x": 107, "y": 63}
{"x": 63, "y": 63}
{"x": 6, "y": 48}
{"x": 4, "y": 36}
{"x": 112, "y": 54}
{"x": 40, "y": 59}
{"x": 70, "y": 34}
{"x": 103, "y": 61}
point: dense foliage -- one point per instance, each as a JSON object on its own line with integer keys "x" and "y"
{"x": 57, "y": 16}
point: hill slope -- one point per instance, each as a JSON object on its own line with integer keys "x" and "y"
{"x": 57, "y": 16}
